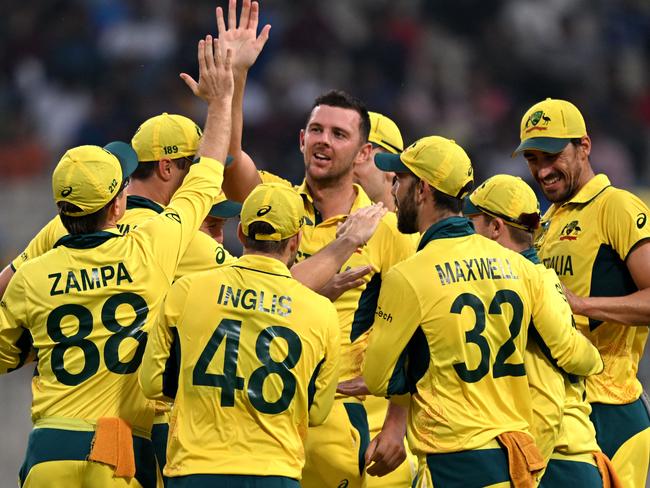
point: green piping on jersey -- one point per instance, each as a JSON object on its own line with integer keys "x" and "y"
{"x": 24, "y": 343}
{"x": 85, "y": 241}
{"x": 135, "y": 201}
{"x": 47, "y": 445}
{"x": 531, "y": 255}
{"x": 533, "y": 335}
{"x": 559, "y": 471}
{"x": 359, "y": 420}
{"x": 364, "y": 315}
{"x": 172, "y": 367}
{"x": 609, "y": 278}
{"x": 479, "y": 467}
{"x": 311, "y": 389}
{"x": 419, "y": 358}
{"x": 615, "y": 424}
{"x": 449, "y": 227}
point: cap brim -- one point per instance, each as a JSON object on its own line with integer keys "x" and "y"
{"x": 390, "y": 162}
{"x": 552, "y": 145}
{"x": 225, "y": 210}
{"x": 469, "y": 208}
{"x": 125, "y": 155}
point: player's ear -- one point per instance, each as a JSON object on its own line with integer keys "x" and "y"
{"x": 497, "y": 227}
{"x": 301, "y": 140}
{"x": 164, "y": 169}
{"x": 364, "y": 153}
{"x": 240, "y": 234}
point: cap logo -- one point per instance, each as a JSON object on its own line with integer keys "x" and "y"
{"x": 112, "y": 186}
{"x": 534, "y": 119}
{"x": 66, "y": 191}
{"x": 264, "y": 210}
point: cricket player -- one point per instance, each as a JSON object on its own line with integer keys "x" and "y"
{"x": 258, "y": 357}
{"x": 597, "y": 239}
{"x": 333, "y": 140}
{"x": 384, "y": 136}
{"x": 505, "y": 209}
{"x": 451, "y": 328}
{"x": 87, "y": 305}
{"x": 217, "y": 216}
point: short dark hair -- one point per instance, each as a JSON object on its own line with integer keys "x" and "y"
{"x": 522, "y": 237}
{"x": 341, "y": 99}
{"x": 145, "y": 169}
{"x": 447, "y": 202}
{"x": 86, "y": 224}
{"x": 267, "y": 247}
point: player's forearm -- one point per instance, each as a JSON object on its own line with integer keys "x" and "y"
{"x": 241, "y": 173}
{"x": 633, "y": 309}
{"x": 315, "y": 271}
{"x": 395, "y": 421}
{"x": 216, "y": 134}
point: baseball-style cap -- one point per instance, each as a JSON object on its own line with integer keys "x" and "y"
{"x": 90, "y": 176}
{"x": 385, "y": 133}
{"x": 276, "y": 204}
{"x": 166, "y": 136}
{"x": 439, "y": 161}
{"x": 224, "y": 208}
{"x": 549, "y": 126}
{"x": 507, "y": 197}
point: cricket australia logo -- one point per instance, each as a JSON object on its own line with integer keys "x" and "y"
{"x": 570, "y": 231}
{"x": 533, "y": 122}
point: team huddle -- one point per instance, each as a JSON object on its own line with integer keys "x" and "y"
{"x": 389, "y": 324}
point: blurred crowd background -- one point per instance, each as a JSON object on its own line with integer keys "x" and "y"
{"x": 90, "y": 71}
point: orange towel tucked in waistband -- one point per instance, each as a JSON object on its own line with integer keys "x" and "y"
{"x": 113, "y": 445}
{"x": 524, "y": 458}
{"x": 607, "y": 472}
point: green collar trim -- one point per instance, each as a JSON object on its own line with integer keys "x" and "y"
{"x": 531, "y": 255}
{"x": 86, "y": 241}
{"x": 446, "y": 228}
{"x": 135, "y": 201}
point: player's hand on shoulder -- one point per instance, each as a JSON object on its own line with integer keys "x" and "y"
{"x": 342, "y": 282}
{"x": 242, "y": 39}
{"x": 216, "y": 82}
{"x": 361, "y": 225}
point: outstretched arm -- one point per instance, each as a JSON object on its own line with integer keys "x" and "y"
{"x": 241, "y": 175}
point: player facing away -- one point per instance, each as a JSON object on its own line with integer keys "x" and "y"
{"x": 87, "y": 305}
{"x": 451, "y": 328}
{"x": 256, "y": 357}
{"x": 597, "y": 238}
{"x": 505, "y": 209}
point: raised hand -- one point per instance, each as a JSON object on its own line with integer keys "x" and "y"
{"x": 216, "y": 82}
{"x": 242, "y": 39}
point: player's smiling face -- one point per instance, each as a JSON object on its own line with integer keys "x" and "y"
{"x": 561, "y": 175}
{"x": 330, "y": 143}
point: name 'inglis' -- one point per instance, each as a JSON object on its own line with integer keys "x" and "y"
{"x": 254, "y": 300}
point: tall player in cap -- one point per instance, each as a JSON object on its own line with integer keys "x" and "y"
{"x": 257, "y": 364}
{"x": 505, "y": 209}
{"x": 597, "y": 238}
{"x": 87, "y": 305}
{"x": 218, "y": 215}
{"x": 335, "y": 137}
{"x": 451, "y": 329}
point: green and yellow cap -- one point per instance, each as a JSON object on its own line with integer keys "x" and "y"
{"x": 439, "y": 161}
{"x": 166, "y": 136}
{"x": 549, "y": 126}
{"x": 90, "y": 176}
{"x": 224, "y": 208}
{"x": 276, "y": 204}
{"x": 507, "y": 197}
{"x": 385, "y": 133}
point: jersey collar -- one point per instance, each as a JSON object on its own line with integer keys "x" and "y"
{"x": 360, "y": 201}
{"x": 531, "y": 255}
{"x": 591, "y": 190}
{"x": 87, "y": 241}
{"x": 136, "y": 201}
{"x": 446, "y": 228}
{"x": 262, "y": 264}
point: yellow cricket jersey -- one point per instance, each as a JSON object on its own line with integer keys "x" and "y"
{"x": 586, "y": 241}
{"x": 88, "y": 304}
{"x": 451, "y": 328}
{"x": 356, "y": 307}
{"x": 258, "y": 357}
{"x": 203, "y": 252}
